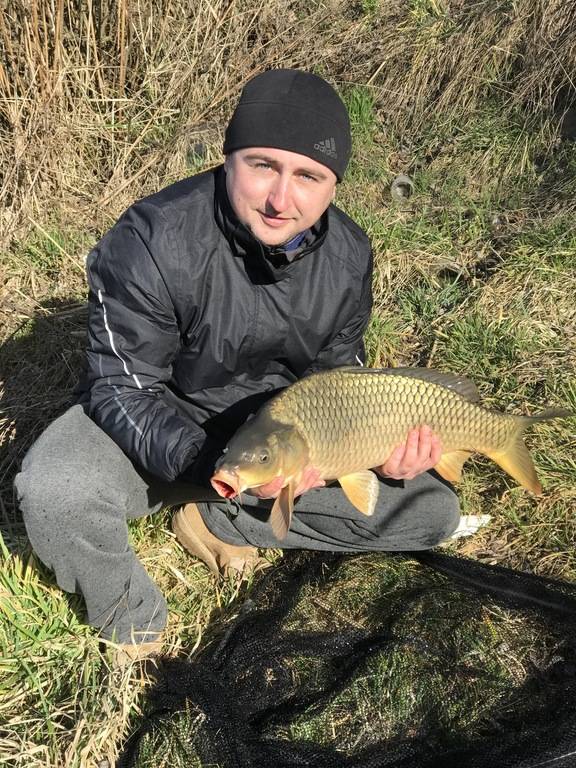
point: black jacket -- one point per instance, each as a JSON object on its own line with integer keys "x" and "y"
{"x": 194, "y": 323}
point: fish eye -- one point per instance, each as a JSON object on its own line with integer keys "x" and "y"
{"x": 263, "y": 458}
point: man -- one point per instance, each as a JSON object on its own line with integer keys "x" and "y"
{"x": 205, "y": 300}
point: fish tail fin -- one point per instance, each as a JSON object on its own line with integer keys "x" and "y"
{"x": 515, "y": 457}
{"x": 516, "y": 460}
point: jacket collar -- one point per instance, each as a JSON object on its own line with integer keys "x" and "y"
{"x": 266, "y": 261}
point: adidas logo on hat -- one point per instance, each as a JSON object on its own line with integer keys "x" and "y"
{"x": 328, "y": 147}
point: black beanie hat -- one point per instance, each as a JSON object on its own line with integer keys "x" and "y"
{"x": 294, "y": 110}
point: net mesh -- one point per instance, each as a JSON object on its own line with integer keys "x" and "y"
{"x": 338, "y": 660}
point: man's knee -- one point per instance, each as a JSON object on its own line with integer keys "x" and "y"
{"x": 50, "y": 479}
{"x": 38, "y": 486}
{"x": 64, "y": 500}
{"x": 74, "y": 463}
{"x": 49, "y": 509}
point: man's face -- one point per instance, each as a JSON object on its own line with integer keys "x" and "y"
{"x": 276, "y": 193}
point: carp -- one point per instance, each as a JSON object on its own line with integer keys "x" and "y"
{"x": 346, "y": 421}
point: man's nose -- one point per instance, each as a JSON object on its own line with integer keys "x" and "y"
{"x": 279, "y": 194}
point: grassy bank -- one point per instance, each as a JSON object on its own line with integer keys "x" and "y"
{"x": 475, "y": 273}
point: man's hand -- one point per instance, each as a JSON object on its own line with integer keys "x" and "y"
{"x": 310, "y": 479}
{"x": 420, "y": 452}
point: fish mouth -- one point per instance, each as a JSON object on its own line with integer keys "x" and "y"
{"x": 226, "y": 484}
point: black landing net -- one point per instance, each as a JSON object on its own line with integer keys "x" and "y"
{"x": 422, "y": 661}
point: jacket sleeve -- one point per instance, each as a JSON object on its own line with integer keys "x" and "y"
{"x": 134, "y": 338}
{"x": 347, "y": 346}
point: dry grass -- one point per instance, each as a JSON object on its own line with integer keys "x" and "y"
{"x": 103, "y": 102}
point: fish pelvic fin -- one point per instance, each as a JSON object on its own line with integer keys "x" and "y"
{"x": 515, "y": 458}
{"x": 450, "y": 465}
{"x": 362, "y": 490}
{"x": 281, "y": 513}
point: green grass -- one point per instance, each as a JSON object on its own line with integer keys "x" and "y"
{"x": 360, "y": 104}
{"x": 61, "y": 695}
{"x": 369, "y": 7}
{"x": 383, "y": 340}
{"x": 489, "y": 350}
{"x": 49, "y": 251}
{"x": 49, "y": 661}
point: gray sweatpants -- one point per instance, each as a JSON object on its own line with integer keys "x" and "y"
{"x": 77, "y": 489}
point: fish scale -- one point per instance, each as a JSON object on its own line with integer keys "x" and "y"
{"x": 354, "y": 420}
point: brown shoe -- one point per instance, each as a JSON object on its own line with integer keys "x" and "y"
{"x": 192, "y": 533}
{"x": 127, "y": 653}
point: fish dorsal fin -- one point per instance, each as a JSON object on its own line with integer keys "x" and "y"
{"x": 282, "y": 509}
{"x": 465, "y": 387}
{"x": 362, "y": 489}
{"x": 450, "y": 465}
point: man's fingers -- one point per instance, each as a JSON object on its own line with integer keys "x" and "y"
{"x": 392, "y": 464}
{"x": 436, "y": 451}
{"x": 268, "y": 491}
{"x": 412, "y": 451}
{"x": 424, "y": 445}
{"x": 308, "y": 487}
{"x": 405, "y": 457}
{"x": 310, "y": 479}
{"x": 420, "y": 452}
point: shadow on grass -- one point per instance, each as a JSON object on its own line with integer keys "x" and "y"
{"x": 41, "y": 364}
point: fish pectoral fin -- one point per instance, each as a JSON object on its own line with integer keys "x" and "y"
{"x": 282, "y": 509}
{"x": 450, "y": 465}
{"x": 362, "y": 490}
{"x": 516, "y": 460}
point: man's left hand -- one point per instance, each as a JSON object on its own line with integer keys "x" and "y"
{"x": 420, "y": 452}
{"x": 310, "y": 479}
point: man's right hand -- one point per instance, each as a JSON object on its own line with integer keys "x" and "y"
{"x": 421, "y": 451}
